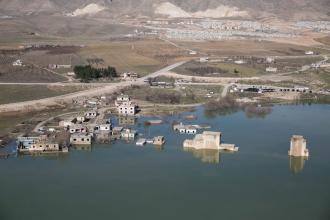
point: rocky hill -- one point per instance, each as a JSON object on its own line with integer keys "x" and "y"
{"x": 288, "y": 9}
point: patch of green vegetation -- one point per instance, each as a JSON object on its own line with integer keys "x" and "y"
{"x": 88, "y": 72}
{"x": 20, "y": 93}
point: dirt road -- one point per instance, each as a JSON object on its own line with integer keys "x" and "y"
{"x": 42, "y": 104}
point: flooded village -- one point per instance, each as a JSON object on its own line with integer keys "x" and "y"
{"x": 101, "y": 121}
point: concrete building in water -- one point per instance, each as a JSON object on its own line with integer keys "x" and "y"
{"x": 127, "y": 109}
{"x": 42, "y": 143}
{"x": 128, "y": 134}
{"x": 160, "y": 140}
{"x": 298, "y": 147}
{"x": 125, "y": 106}
{"x": 208, "y": 140}
{"x": 46, "y": 146}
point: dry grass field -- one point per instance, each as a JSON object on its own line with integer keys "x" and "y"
{"x": 43, "y": 58}
{"x": 249, "y": 69}
{"x": 19, "y": 93}
{"x": 195, "y": 68}
{"x": 247, "y": 47}
{"x": 27, "y": 74}
{"x": 141, "y": 56}
{"x": 324, "y": 40}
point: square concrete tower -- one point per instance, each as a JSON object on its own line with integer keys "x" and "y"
{"x": 298, "y": 147}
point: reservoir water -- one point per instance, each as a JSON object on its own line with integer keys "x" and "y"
{"x": 124, "y": 181}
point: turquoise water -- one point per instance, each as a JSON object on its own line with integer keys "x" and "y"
{"x": 123, "y": 181}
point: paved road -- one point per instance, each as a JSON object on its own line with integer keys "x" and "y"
{"x": 162, "y": 71}
{"x": 68, "y": 98}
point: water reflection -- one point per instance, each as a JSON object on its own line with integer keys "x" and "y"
{"x": 159, "y": 147}
{"x": 227, "y": 107}
{"x": 103, "y": 138}
{"x": 126, "y": 120}
{"x": 297, "y": 164}
{"x": 83, "y": 147}
{"x": 205, "y": 155}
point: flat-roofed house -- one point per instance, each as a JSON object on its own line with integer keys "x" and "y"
{"x": 121, "y": 99}
{"x": 78, "y": 129}
{"x": 103, "y": 128}
{"x": 127, "y": 109}
{"x": 208, "y": 140}
{"x": 91, "y": 114}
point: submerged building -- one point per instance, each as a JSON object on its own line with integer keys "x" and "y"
{"x": 298, "y": 147}
{"x": 185, "y": 129}
{"x": 128, "y": 134}
{"x": 160, "y": 140}
{"x": 208, "y": 140}
{"x": 42, "y": 143}
{"x": 127, "y": 109}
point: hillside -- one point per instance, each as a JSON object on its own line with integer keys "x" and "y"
{"x": 292, "y": 9}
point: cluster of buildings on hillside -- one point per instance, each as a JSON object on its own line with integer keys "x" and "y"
{"x": 187, "y": 34}
{"x": 226, "y": 25}
{"x": 318, "y": 26}
{"x": 211, "y": 29}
